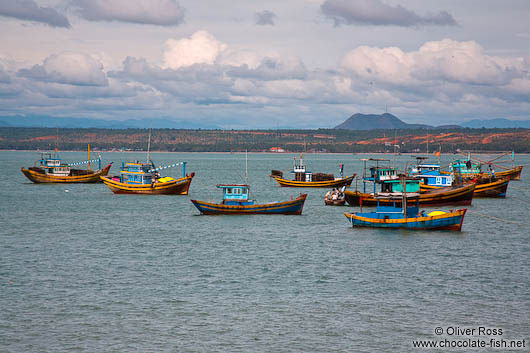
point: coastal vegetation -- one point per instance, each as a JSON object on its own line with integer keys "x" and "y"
{"x": 321, "y": 140}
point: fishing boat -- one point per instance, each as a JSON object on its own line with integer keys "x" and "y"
{"x": 484, "y": 187}
{"x": 236, "y": 201}
{"x": 144, "y": 178}
{"x": 401, "y": 215}
{"x": 468, "y": 168}
{"x": 430, "y": 173}
{"x": 390, "y": 184}
{"x": 307, "y": 179}
{"x": 50, "y": 169}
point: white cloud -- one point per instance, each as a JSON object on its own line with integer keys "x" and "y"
{"x": 68, "y": 68}
{"x": 28, "y": 10}
{"x": 155, "y": 12}
{"x": 200, "y": 48}
{"x": 446, "y": 60}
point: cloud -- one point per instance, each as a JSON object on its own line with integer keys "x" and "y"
{"x": 265, "y": 17}
{"x": 375, "y": 12}
{"x": 68, "y": 68}
{"x": 272, "y": 69}
{"x": 437, "y": 61}
{"x": 28, "y": 10}
{"x": 200, "y": 48}
{"x": 154, "y": 12}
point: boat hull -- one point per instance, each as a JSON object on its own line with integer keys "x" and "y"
{"x": 315, "y": 184}
{"x": 293, "y": 207}
{"x": 90, "y": 177}
{"x": 445, "y": 196}
{"x": 497, "y": 188}
{"x": 448, "y": 221}
{"x": 173, "y": 187}
{"x": 513, "y": 174}
{"x": 339, "y": 202}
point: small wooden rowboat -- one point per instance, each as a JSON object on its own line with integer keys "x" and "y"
{"x": 395, "y": 216}
{"x": 235, "y": 201}
{"x": 458, "y": 195}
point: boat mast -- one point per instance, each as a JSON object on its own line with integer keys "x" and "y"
{"x": 148, "y": 146}
{"x": 88, "y": 156}
{"x": 246, "y": 167}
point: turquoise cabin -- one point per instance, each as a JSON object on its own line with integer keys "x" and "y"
{"x": 144, "y": 173}
{"x": 235, "y": 194}
{"x": 412, "y": 185}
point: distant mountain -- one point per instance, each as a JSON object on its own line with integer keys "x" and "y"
{"x": 48, "y": 121}
{"x": 496, "y": 123}
{"x": 374, "y": 121}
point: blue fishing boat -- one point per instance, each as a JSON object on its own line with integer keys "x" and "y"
{"x": 236, "y": 201}
{"x": 402, "y": 215}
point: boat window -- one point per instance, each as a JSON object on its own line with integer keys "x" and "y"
{"x": 228, "y": 190}
{"x": 237, "y": 191}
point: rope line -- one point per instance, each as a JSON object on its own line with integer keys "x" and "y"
{"x": 167, "y": 166}
{"x": 499, "y": 219}
{"x": 84, "y": 162}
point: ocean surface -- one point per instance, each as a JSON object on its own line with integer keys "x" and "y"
{"x": 84, "y": 270}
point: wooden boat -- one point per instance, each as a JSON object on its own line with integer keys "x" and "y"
{"x": 512, "y": 174}
{"x": 143, "y": 178}
{"x": 484, "y": 187}
{"x": 467, "y": 169}
{"x": 449, "y": 195}
{"x": 236, "y": 201}
{"x": 394, "y": 216}
{"x": 50, "y": 169}
{"x": 335, "y": 197}
{"x": 306, "y": 179}
{"x": 393, "y": 185}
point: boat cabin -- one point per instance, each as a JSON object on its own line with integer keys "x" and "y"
{"x": 396, "y": 211}
{"x": 430, "y": 174}
{"x": 464, "y": 168}
{"x": 397, "y": 185}
{"x": 136, "y": 173}
{"x": 300, "y": 173}
{"x": 235, "y": 194}
{"x": 51, "y": 164}
{"x": 379, "y": 174}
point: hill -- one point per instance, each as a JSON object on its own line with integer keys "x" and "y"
{"x": 374, "y": 121}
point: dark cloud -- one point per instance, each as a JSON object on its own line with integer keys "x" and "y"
{"x": 265, "y": 18}
{"x": 28, "y": 10}
{"x": 154, "y": 12}
{"x": 375, "y": 12}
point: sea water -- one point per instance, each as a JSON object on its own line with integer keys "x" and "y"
{"x": 84, "y": 270}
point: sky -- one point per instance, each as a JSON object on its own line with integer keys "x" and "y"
{"x": 245, "y": 64}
